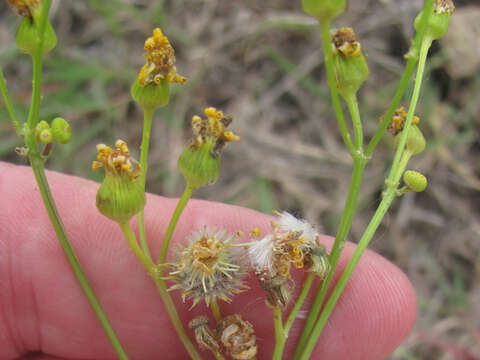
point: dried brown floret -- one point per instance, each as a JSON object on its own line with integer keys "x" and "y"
{"x": 237, "y": 336}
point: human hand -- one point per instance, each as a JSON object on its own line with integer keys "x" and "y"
{"x": 43, "y": 309}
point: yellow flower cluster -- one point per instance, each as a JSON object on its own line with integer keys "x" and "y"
{"x": 398, "y": 121}
{"x": 444, "y": 7}
{"x": 213, "y": 128}
{"x": 160, "y": 61}
{"x": 117, "y": 161}
{"x": 345, "y": 41}
{"x": 24, "y": 7}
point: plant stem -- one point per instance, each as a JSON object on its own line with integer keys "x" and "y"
{"x": 399, "y": 163}
{"x": 359, "y": 163}
{"x": 347, "y": 273}
{"x": 307, "y": 284}
{"x": 402, "y": 86}
{"x": 328, "y": 58}
{"x": 161, "y": 287}
{"x": 426, "y": 42}
{"x": 9, "y": 105}
{"x": 352, "y": 104}
{"x": 132, "y": 241}
{"x": 343, "y": 230}
{"x": 38, "y": 170}
{"x": 147, "y": 128}
{"x": 280, "y": 337}
{"x": 182, "y": 202}
{"x": 216, "y": 311}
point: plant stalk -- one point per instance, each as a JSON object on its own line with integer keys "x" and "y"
{"x": 147, "y": 128}
{"x": 280, "y": 337}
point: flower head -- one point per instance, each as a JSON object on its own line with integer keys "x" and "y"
{"x": 398, "y": 121}
{"x": 117, "y": 161}
{"x": 237, "y": 337}
{"x": 207, "y": 268}
{"x": 213, "y": 129}
{"x": 160, "y": 61}
{"x": 444, "y": 7}
{"x": 290, "y": 243}
{"x": 120, "y": 196}
{"x": 344, "y": 41}
{"x": 24, "y": 7}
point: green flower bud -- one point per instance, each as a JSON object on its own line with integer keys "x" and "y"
{"x": 324, "y": 10}
{"x": 198, "y": 166}
{"x": 438, "y": 22}
{"x": 45, "y": 136}
{"x": 61, "y": 130}
{"x": 351, "y": 69}
{"x": 28, "y": 38}
{"x": 415, "y": 180}
{"x": 152, "y": 95}
{"x": 200, "y": 162}
{"x": 119, "y": 197}
{"x": 415, "y": 141}
{"x": 42, "y": 125}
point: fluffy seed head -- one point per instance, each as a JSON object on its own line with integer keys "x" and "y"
{"x": 207, "y": 268}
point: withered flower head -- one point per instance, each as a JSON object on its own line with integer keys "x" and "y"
{"x": 290, "y": 243}
{"x": 160, "y": 61}
{"x": 117, "y": 161}
{"x": 344, "y": 41}
{"x": 213, "y": 129}
{"x": 207, "y": 268}
{"x": 237, "y": 336}
{"x": 398, "y": 121}
{"x": 203, "y": 335}
{"x": 24, "y": 7}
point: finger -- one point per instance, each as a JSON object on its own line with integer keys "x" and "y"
{"x": 43, "y": 308}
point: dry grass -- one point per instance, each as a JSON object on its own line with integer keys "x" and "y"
{"x": 262, "y": 63}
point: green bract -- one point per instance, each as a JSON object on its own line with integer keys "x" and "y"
{"x": 28, "y": 39}
{"x": 151, "y": 96}
{"x": 415, "y": 140}
{"x": 324, "y": 10}
{"x": 119, "y": 197}
{"x": 198, "y": 166}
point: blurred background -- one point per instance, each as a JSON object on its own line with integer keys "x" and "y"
{"x": 261, "y": 62}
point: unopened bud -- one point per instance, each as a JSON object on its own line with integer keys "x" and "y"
{"x": 61, "y": 130}
{"x": 324, "y": 10}
{"x": 415, "y": 181}
{"x": 45, "y": 136}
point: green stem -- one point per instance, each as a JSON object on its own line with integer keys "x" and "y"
{"x": 162, "y": 289}
{"x": 280, "y": 337}
{"x": 216, "y": 311}
{"x": 38, "y": 170}
{"x": 307, "y": 284}
{"x": 147, "y": 128}
{"x": 359, "y": 163}
{"x": 132, "y": 241}
{"x": 411, "y": 110}
{"x": 347, "y": 273}
{"x": 328, "y": 58}
{"x": 182, "y": 202}
{"x": 9, "y": 105}
{"x": 352, "y": 104}
{"x": 403, "y": 84}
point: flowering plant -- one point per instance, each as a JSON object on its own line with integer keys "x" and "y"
{"x": 212, "y": 263}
